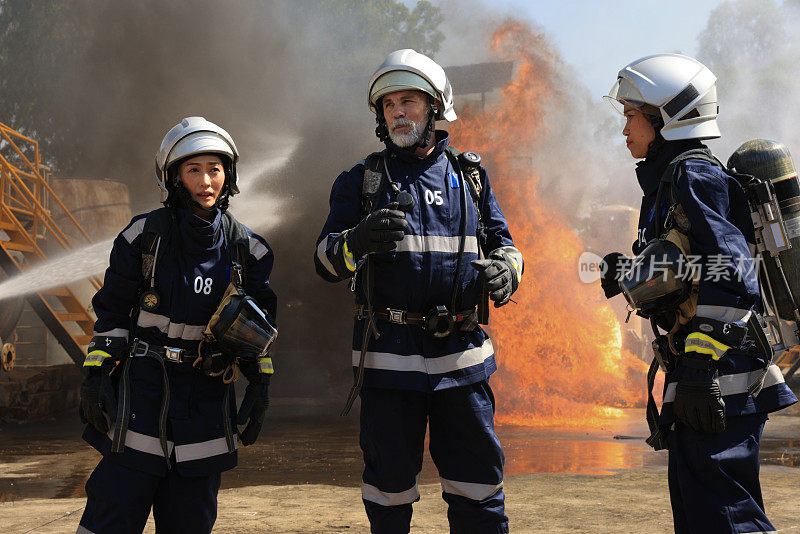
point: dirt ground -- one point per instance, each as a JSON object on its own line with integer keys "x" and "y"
{"x": 631, "y": 501}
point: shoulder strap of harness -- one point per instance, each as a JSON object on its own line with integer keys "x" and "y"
{"x": 471, "y": 175}
{"x": 155, "y": 237}
{"x": 669, "y": 181}
{"x": 374, "y": 182}
{"x": 238, "y": 244}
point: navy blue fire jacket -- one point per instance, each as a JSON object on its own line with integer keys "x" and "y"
{"x": 721, "y": 234}
{"x": 421, "y": 272}
{"x": 190, "y": 279}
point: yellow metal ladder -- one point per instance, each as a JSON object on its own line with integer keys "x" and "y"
{"x": 31, "y": 233}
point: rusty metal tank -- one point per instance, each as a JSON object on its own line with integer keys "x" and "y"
{"x": 10, "y": 309}
{"x": 101, "y": 207}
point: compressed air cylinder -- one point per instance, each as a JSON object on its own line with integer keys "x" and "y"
{"x": 770, "y": 160}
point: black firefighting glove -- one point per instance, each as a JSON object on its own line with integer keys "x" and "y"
{"x": 98, "y": 405}
{"x": 254, "y": 405}
{"x": 500, "y": 277}
{"x": 609, "y": 277}
{"x": 377, "y": 232}
{"x": 698, "y": 400}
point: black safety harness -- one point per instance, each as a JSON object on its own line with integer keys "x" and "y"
{"x": 441, "y": 321}
{"x": 158, "y": 235}
{"x": 665, "y": 352}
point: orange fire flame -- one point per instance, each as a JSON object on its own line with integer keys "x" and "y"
{"x": 559, "y": 350}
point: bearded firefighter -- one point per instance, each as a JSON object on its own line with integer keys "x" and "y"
{"x": 419, "y": 231}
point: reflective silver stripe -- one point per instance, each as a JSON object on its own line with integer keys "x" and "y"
{"x": 436, "y": 243}
{"x": 265, "y": 366}
{"x": 173, "y": 330}
{"x": 386, "y": 498}
{"x": 143, "y": 442}
{"x": 323, "y": 256}
{"x": 134, "y": 230}
{"x": 203, "y": 449}
{"x": 257, "y": 248}
{"x": 116, "y": 332}
{"x": 470, "y": 490}
{"x": 736, "y": 384}
{"x": 724, "y": 314}
{"x": 83, "y": 530}
{"x": 434, "y": 366}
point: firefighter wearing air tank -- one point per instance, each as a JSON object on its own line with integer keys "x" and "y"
{"x": 720, "y": 382}
{"x": 186, "y": 306}
{"x": 419, "y": 231}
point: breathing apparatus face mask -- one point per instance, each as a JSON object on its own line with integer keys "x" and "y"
{"x": 659, "y": 279}
{"x": 237, "y": 330}
{"x": 242, "y": 329}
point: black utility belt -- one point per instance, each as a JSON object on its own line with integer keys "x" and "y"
{"x": 141, "y": 349}
{"x": 438, "y": 322}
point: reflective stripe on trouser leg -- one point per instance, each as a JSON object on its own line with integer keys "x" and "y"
{"x": 469, "y": 457}
{"x": 392, "y": 438}
{"x": 713, "y": 478}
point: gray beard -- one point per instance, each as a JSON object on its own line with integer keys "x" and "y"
{"x": 409, "y": 139}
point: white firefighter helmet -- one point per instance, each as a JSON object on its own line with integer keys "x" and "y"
{"x": 194, "y": 135}
{"x": 407, "y": 69}
{"x": 683, "y": 89}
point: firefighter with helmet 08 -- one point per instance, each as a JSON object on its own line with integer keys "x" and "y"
{"x": 418, "y": 231}
{"x": 720, "y": 383}
{"x": 185, "y": 307}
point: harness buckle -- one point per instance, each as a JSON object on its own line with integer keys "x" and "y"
{"x": 138, "y": 345}
{"x": 172, "y": 354}
{"x": 396, "y": 316}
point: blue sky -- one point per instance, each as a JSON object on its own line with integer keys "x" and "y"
{"x": 598, "y": 37}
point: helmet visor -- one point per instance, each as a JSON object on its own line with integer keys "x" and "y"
{"x": 400, "y": 80}
{"x": 624, "y": 93}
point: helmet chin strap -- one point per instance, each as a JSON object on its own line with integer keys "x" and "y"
{"x": 430, "y": 126}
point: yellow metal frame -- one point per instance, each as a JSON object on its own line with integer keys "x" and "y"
{"x": 25, "y": 216}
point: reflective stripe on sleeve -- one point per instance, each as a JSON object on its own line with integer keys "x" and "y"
{"x": 386, "y": 498}
{"x": 736, "y": 384}
{"x": 257, "y": 248}
{"x": 265, "y": 366}
{"x": 134, "y": 230}
{"x": 470, "y": 490}
{"x": 415, "y": 363}
{"x": 349, "y": 259}
{"x": 95, "y": 358}
{"x": 703, "y": 344}
{"x": 322, "y": 256}
{"x": 116, "y": 332}
{"x": 724, "y": 314}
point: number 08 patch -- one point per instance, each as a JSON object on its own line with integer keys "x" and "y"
{"x": 203, "y": 285}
